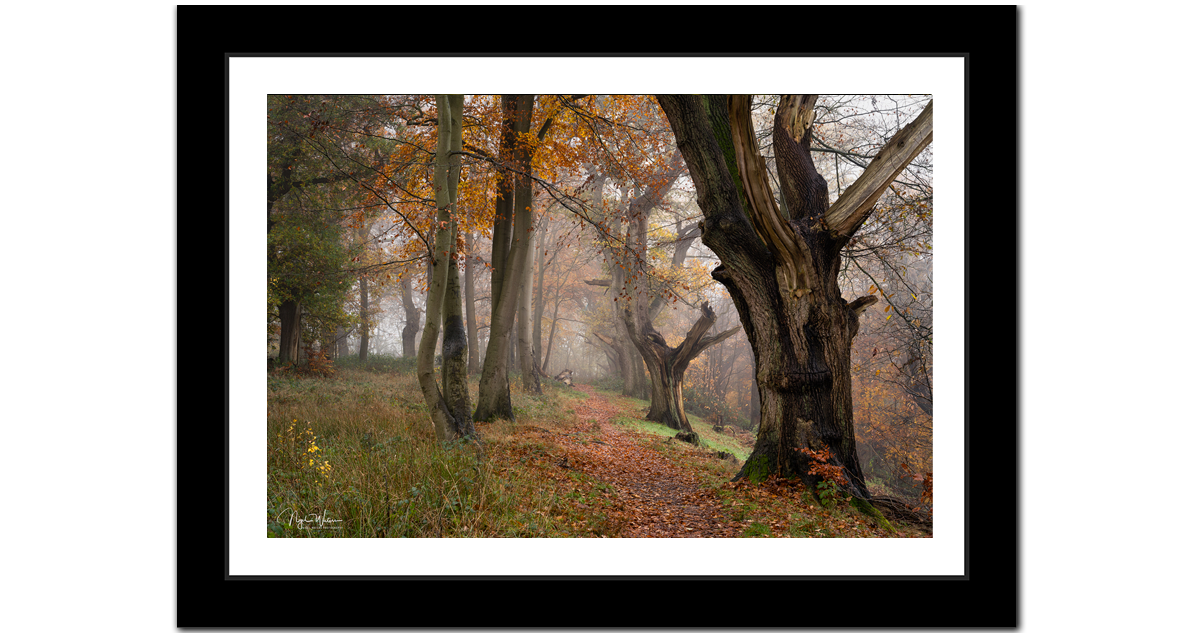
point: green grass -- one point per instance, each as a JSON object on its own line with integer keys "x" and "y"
{"x": 757, "y": 529}
{"x": 635, "y": 410}
{"x": 354, "y": 455}
{"x": 358, "y": 452}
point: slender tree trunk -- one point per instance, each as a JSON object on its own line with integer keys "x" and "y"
{"x": 539, "y": 297}
{"x": 508, "y": 264}
{"x": 454, "y": 354}
{"x": 412, "y": 318}
{"x": 448, "y": 407}
{"x": 550, "y": 339}
{"x": 469, "y": 292}
{"x": 343, "y": 348}
{"x": 364, "y": 336}
{"x": 529, "y": 377}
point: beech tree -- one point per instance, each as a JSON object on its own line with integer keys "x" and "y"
{"x": 450, "y": 406}
{"x": 510, "y": 255}
{"x": 781, "y": 267}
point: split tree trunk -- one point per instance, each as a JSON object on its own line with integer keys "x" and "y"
{"x": 668, "y": 364}
{"x": 449, "y": 407}
{"x": 781, "y": 271}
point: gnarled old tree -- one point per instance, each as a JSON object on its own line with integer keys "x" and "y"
{"x": 629, "y": 267}
{"x": 449, "y": 407}
{"x": 667, "y": 364}
{"x": 781, "y": 267}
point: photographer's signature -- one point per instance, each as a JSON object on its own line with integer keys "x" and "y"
{"x": 310, "y": 521}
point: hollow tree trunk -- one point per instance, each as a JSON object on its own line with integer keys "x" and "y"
{"x": 781, "y": 271}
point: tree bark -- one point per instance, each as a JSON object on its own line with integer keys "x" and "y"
{"x": 364, "y": 336}
{"x": 539, "y": 296}
{"x": 289, "y": 332}
{"x": 454, "y": 349}
{"x": 508, "y": 261}
{"x": 781, "y": 271}
{"x": 529, "y": 377}
{"x": 449, "y": 407}
{"x": 550, "y": 338}
{"x": 412, "y": 318}
{"x": 343, "y": 348}
{"x": 469, "y": 292}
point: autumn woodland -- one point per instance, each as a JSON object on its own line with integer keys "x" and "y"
{"x": 600, "y": 315}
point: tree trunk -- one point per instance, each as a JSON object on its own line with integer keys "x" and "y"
{"x": 364, "y": 336}
{"x": 550, "y": 338}
{"x": 454, "y": 353}
{"x": 782, "y": 271}
{"x": 508, "y": 260}
{"x": 529, "y": 377}
{"x": 412, "y": 318}
{"x": 539, "y": 295}
{"x": 449, "y": 408}
{"x": 343, "y": 348}
{"x": 289, "y": 332}
{"x": 755, "y": 404}
{"x": 637, "y": 290}
{"x": 668, "y": 364}
{"x": 469, "y": 292}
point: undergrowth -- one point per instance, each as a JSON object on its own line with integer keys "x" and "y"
{"x": 353, "y": 454}
{"x": 378, "y": 470}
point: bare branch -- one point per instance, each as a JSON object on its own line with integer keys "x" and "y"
{"x": 856, "y": 203}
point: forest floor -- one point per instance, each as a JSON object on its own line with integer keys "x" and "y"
{"x": 657, "y": 486}
{"x": 355, "y": 447}
{"x": 658, "y": 495}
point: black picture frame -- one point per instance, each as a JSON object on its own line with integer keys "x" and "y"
{"x": 990, "y": 594}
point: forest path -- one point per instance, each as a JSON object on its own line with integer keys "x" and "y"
{"x": 654, "y": 497}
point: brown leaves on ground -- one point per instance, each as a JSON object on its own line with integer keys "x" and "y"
{"x": 613, "y": 481}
